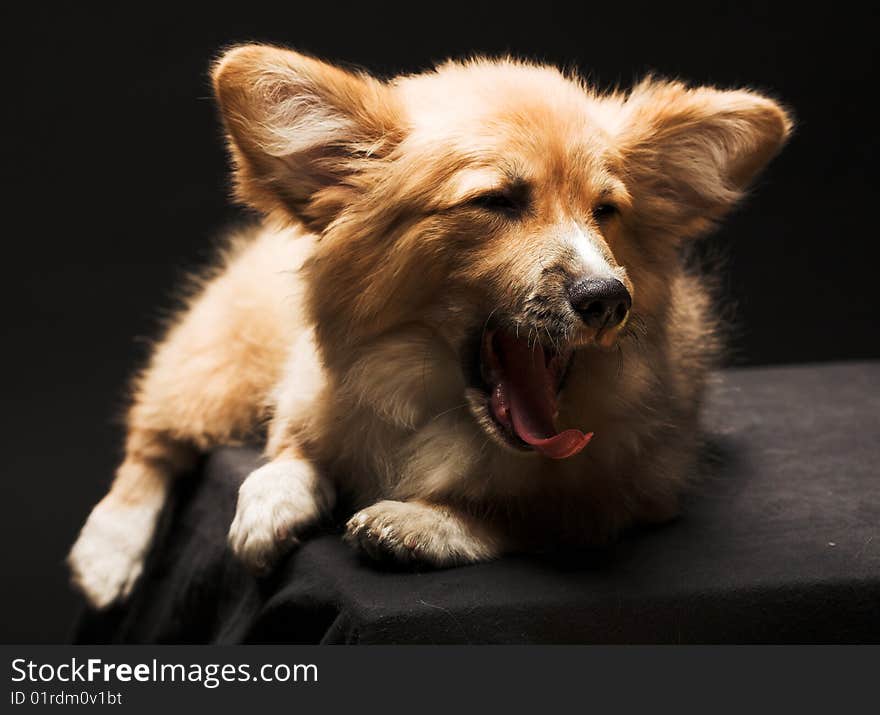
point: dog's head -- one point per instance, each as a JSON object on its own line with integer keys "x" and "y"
{"x": 503, "y": 206}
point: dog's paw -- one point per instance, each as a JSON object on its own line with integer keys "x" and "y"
{"x": 275, "y": 504}
{"x": 108, "y": 557}
{"x": 412, "y": 532}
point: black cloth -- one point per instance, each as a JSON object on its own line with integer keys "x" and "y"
{"x": 780, "y": 543}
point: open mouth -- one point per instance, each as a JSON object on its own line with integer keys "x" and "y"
{"x": 521, "y": 381}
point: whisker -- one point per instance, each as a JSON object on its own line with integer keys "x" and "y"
{"x": 446, "y": 412}
{"x": 486, "y": 325}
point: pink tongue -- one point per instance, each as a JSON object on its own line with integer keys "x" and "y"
{"x": 530, "y": 389}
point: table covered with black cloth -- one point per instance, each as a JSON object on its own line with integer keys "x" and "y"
{"x": 780, "y": 543}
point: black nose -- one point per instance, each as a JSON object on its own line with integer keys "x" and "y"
{"x": 601, "y": 302}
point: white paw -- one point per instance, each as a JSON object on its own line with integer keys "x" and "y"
{"x": 108, "y": 557}
{"x": 275, "y": 504}
{"x": 414, "y": 532}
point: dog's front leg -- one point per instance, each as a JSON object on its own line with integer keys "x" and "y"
{"x": 423, "y": 532}
{"x": 421, "y": 520}
{"x": 282, "y": 499}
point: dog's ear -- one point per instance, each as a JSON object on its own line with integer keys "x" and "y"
{"x": 690, "y": 153}
{"x": 300, "y": 130}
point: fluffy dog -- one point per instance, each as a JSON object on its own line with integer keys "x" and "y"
{"x": 465, "y": 311}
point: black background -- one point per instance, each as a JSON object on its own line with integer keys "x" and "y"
{"x": 115, "y": 181}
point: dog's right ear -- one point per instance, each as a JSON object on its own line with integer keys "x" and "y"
{"x": 300, "y": 130}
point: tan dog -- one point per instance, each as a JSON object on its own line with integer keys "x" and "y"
{"x": 461, "y": 277}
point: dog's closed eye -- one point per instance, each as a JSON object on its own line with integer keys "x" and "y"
{"x": 604, "y": 211}
{"x": 511, "y": 201}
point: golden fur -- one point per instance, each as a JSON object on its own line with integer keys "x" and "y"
{"x": 343, "y": 320}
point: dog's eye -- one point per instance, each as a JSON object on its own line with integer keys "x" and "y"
{"x": 505, "y": 202}
{"x": 604, "y": 211}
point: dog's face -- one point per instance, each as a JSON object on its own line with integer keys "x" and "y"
{"x": 503, "y": 207}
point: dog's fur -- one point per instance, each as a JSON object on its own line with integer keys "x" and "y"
{"x": 346, "y": 320}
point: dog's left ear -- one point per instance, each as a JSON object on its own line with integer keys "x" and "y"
{"x": 300, "y": 130}
{"x": 690, "y": 153}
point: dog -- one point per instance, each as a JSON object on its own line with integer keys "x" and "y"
{"x": 465, "y": 312}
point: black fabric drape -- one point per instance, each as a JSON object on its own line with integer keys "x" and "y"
{"x": 780, "y": 543}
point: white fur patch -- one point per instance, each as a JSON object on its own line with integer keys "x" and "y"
{"x": 108, "y": 556}
{"x": 591, "y": 257}
{"x": 275, "y": 504}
